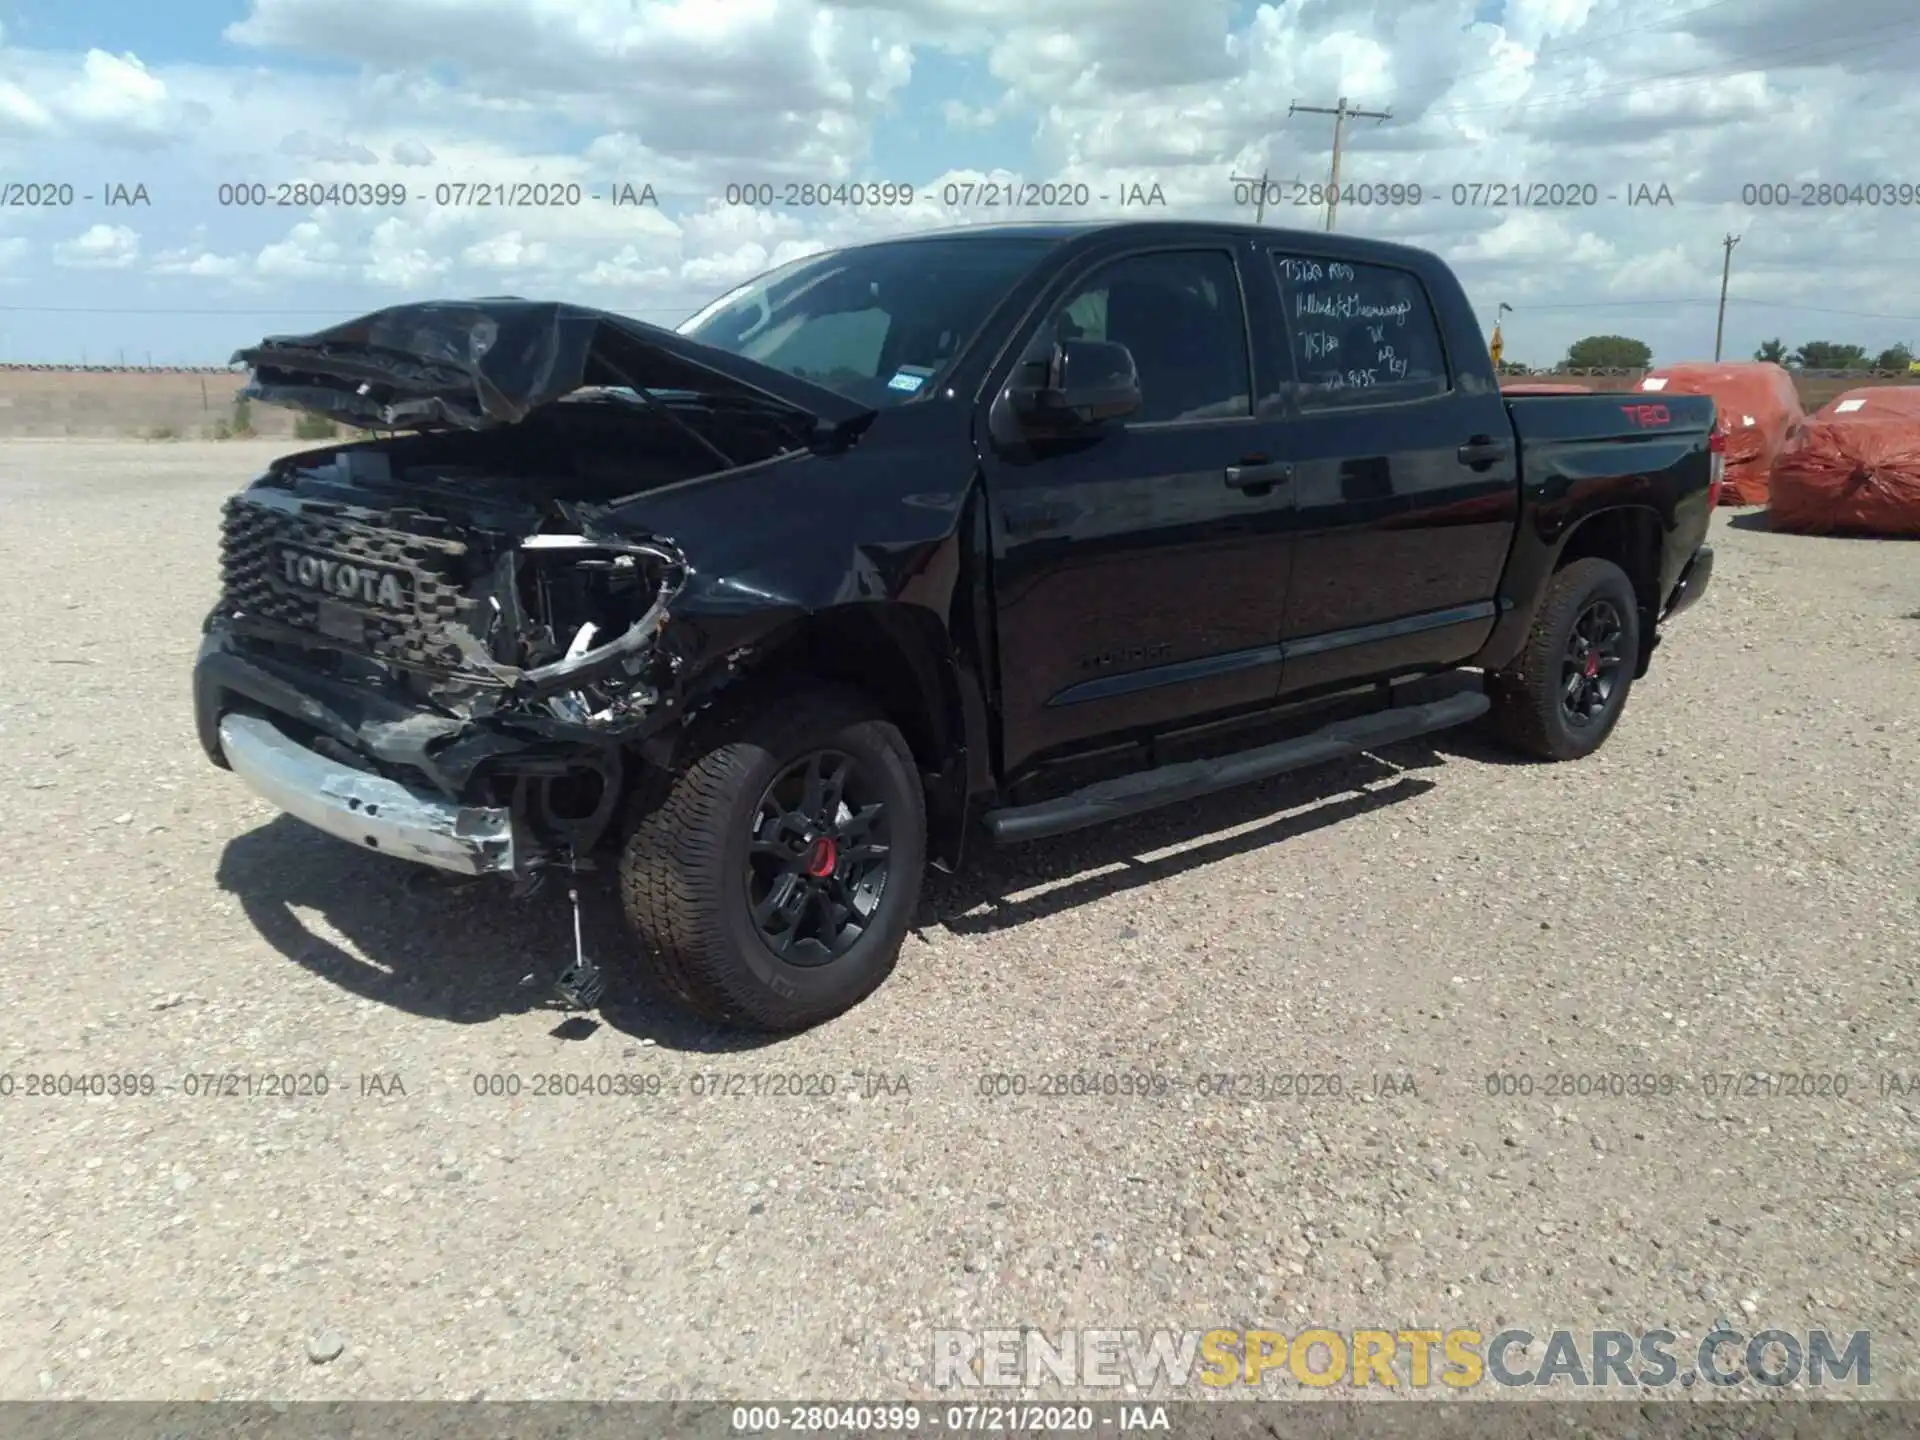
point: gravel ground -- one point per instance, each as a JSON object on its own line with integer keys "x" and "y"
{"x": 1729, "y": 887}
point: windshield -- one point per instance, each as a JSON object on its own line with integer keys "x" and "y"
{"x": 881, "y": 324}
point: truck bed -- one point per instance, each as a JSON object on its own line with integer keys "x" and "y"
{"x": 1566, "y": 440}
{"x": 1650, "y": 466}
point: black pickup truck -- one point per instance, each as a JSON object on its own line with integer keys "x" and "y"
{"x": 1005, "y": 530}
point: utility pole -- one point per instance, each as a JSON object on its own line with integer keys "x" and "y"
{"x": 1260, "y": 206}
{"x": 1726, "y": 266}
{"x": 1340, "y": 115}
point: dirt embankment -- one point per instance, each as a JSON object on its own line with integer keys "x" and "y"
{"x": 1815, "y": 390}
{"x": 160, "y": 404}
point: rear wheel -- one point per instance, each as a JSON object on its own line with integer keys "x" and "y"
{"x": 773, "y": 885}
{"x": 1563, "y": 694}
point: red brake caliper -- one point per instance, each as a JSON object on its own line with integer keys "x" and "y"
{"x": 824, "y": 856}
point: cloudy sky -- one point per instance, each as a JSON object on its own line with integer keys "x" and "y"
{"x": 442, "y": 97}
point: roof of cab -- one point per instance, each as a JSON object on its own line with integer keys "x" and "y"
{"x": 1318, "y": 241}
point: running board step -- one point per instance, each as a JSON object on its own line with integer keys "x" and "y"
{"x": 1170, "y": 784}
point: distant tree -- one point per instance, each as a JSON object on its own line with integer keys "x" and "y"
{"x": 1830, "y": 355}
{"x": 1772, "y": 351}
{"x": 1894, "y": 357}
{"x": 1513, "y": 367}
{"x": 1608, "y": 352}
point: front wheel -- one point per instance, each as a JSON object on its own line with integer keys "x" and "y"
{"x": 773, "y": 885}
{"x": 1563, "y": 694}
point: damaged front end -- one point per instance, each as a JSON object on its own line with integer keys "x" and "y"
{"x": 442, "y": 646}
{"x": 487, "y": 686}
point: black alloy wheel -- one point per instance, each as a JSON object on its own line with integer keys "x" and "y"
{"x": 818, "y": 858}
{"x": 773, "y": 876}
{"x": 1590, "y": 669}
{"x": 1560, "y": 697}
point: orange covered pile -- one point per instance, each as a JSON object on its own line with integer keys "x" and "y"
{"x": 1759, "y": 410}
{"x": 1873, "y": 402}
{"x": 1856, "y": 470}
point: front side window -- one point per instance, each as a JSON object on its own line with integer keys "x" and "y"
{"x": 1360, "y": 334}
{"x": 1179, "y": 312}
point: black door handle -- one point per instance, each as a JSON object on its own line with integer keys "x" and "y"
{"x": 1259, "y": 474}
{"x": 1482, "y": 452}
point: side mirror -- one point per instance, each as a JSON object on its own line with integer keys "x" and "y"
{"x": 1079, "y": 385}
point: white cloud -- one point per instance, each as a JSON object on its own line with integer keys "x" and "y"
{"x": 510, "y": 253}
{"x": 99, "y": 97}
{"x": 306, "y": 254}
{"x": 199, "y": 263}
{"x": 689, "y": 95}
{"x": 116, "y": 88}
{"x": 99, "y": 247}
{"x": 117, "y": 95}
{"x": 722, "y": 272}
{"x": 961, "y": 116}
{"x": 21, "y": 114}
{"x": 627, "y": 269}
{"x": 397, "y": 258}
{"x": 305, "y": 145}
{"x": 791, "y": 82}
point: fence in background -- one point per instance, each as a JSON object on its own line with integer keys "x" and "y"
{"x": 161, "y": 402}
{"x": 125, "y": 369}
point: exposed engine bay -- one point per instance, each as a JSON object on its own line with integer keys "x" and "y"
{"x": 462, "y": 597}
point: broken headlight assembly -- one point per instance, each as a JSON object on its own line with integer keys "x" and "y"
{"x": 592, "y": 610}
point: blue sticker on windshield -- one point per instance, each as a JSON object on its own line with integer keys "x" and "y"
{"x": 906, "y": 380}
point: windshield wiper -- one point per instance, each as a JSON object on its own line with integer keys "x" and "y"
{"x": 652, "y": 402}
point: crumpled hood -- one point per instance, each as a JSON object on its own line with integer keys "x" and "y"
{"x": 478, "y": 363}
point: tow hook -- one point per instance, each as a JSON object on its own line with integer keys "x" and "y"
{"x": 582, "y": 984}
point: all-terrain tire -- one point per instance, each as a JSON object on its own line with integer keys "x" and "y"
{"x": 684, "y": 869}
{"x": 1530, "y": 713}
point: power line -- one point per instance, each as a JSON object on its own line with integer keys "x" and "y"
{"x": 1340, "y": 114}
{"x": 1726, "y": 268}
{"x": 1823, "y": 309}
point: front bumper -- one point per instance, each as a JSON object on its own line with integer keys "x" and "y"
{"x": 1692, "y": 583}
{"x": 366, "y": 809}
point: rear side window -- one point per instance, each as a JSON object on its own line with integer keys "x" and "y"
{"x": 1359, "y": 334}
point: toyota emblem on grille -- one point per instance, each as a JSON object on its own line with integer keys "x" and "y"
{"x": 337, "y": 577}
